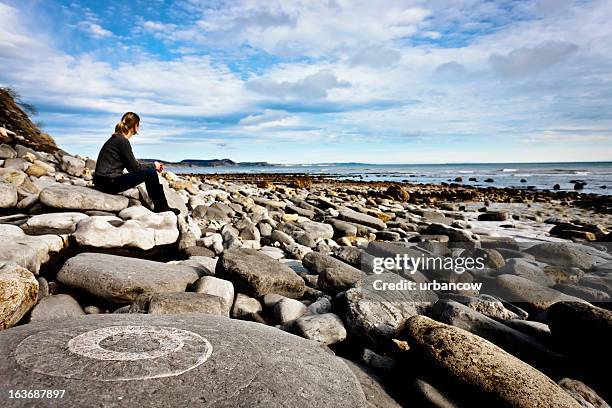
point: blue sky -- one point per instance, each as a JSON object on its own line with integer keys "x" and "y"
{"x": 299, "y": 81}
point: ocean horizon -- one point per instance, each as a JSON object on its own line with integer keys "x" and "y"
{"x": 538, "y": 176}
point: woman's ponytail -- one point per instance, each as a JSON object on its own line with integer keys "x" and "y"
{"x": 128, "y": 124}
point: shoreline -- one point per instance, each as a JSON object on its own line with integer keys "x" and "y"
{"x": 588, "y": 178}
{"x": 335, "y": 179}
{"x": 428, "y": 193}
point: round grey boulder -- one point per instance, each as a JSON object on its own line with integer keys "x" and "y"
{"x": 375, "y": 316}
{"x": 56, "y": 307}
{"x": 256, "y": 274}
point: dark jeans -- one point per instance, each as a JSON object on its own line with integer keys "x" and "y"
{"x": 114, "y": 185}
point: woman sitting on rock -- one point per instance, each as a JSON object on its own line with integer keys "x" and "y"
{"x": 116, "y": 155}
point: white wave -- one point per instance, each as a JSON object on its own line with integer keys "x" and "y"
{"x": 466, "y": 171}
{"x": 509, "y": 170}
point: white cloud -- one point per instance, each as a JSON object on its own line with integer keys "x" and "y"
{"x": 376, "y": 56}
{"x": 91, "y": 25}
{"x": 156, "y": 26}
{"x": 434, "y": 35}
{"x": 289, "y": 27}
{"x": 188, "y": 86}
{"x": 314, "y": 86}
{"x": 95, "y": 30}
{"x": 267, "y": 116}
{"x": 15, "y": 42}
{"x": 450, "y": 69}
{"x": 528, "y": 60}
{"x": 552, "y": 6}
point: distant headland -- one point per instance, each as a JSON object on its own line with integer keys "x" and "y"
{"x": 210, "y": 163}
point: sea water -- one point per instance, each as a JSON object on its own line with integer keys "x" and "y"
{"x": 537, "y": 176}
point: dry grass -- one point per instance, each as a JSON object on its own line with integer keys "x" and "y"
{"x": 14, "y": 117}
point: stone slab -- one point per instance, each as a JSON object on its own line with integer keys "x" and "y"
{"x": 140, "y": 360}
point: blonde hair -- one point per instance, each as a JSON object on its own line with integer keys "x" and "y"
{"x": 128, "y": 124}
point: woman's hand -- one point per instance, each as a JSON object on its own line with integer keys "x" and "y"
{"x": 159, "y": 166}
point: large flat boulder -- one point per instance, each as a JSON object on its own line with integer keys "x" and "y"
{"x": 25, "y": 250}
{"x": 53, "y": 223}
{"x": 135, "y": 227}
{"x": 256, "y": 274}
{"x": 172, "y": 361}
{"x": 492, "y": 376}
{"x": 67, "y": 197}
{"x": 18, "y": 293}
{"x": 120, "y": 279}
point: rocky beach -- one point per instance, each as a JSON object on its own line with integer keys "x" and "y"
{"x": 263, "y": 291}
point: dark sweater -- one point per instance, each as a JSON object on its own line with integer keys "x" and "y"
{"x": 116, "y": 155}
